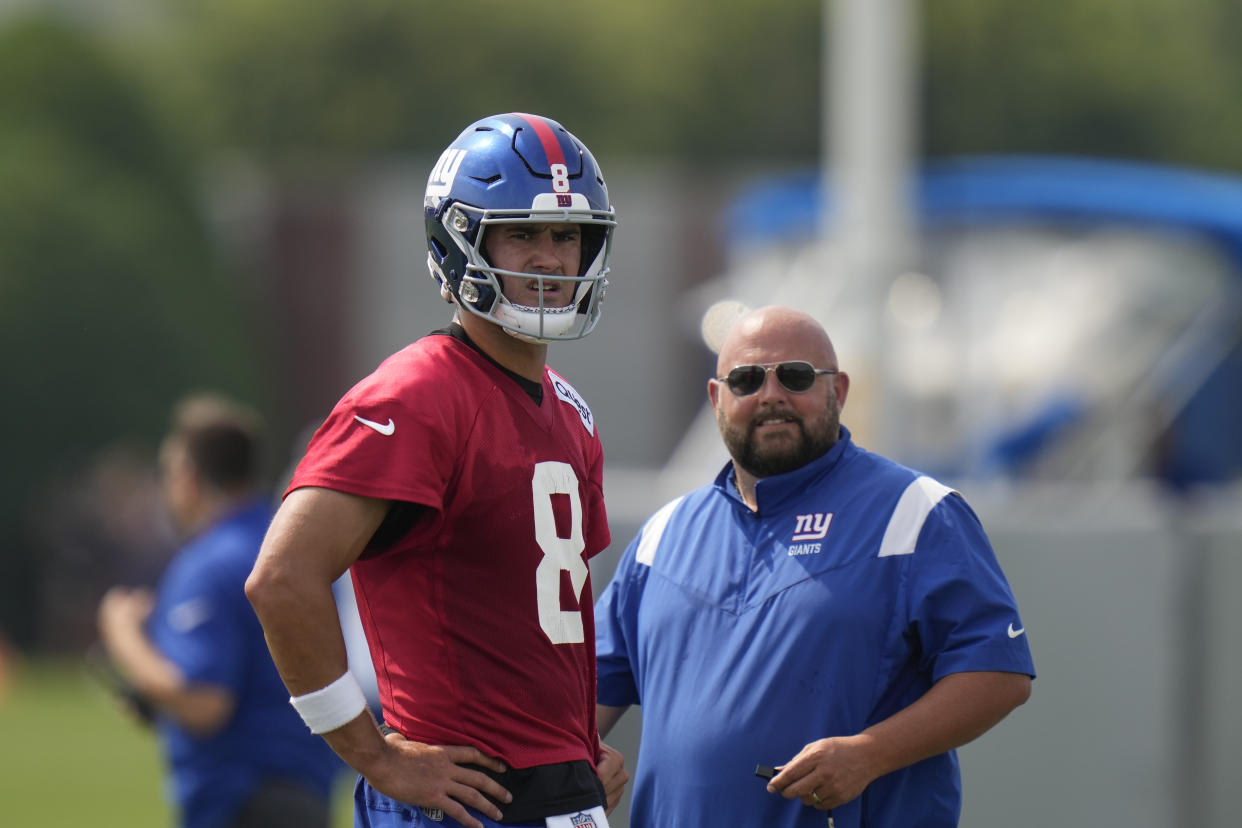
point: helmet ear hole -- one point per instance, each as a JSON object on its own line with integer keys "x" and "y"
{"x": 437, "y": 249}
{"x": 481, "y": 244}
{"x": 593, "y": 237}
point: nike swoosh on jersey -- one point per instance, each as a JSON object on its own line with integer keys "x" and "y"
{"x": 386, "y": 429}
{"x": 1015, "y": 633}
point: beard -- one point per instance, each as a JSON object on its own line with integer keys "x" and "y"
{"x": 815, "y": 437}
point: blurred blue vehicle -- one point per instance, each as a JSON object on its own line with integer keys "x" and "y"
{"x": 1067, "y": 318}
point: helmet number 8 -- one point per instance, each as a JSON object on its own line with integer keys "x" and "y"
{"x": 560, "y": 178}
{"x": 559, "y": 554}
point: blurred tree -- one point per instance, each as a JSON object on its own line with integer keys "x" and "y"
{"x": 298, "y": 83}
{"x": 110, "y": 305}
{"x": 1140, "y": 79}
{"x": 305, "y": 84}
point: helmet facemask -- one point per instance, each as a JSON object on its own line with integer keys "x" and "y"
{"x": 480, "y": 290}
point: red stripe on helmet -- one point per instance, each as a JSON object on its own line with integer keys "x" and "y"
{"x": 547, "y": 137}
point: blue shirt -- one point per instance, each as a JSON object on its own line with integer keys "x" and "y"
{"x": 746, "y": 635}
{"x": 204, "y": 623}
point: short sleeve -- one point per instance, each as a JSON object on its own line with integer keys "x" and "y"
{"x": 616, "y": 635}
{"x": 959, "y": 604}
{"x": 379, "y": 431}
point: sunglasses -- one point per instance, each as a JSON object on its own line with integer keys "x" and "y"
{"x": 797, "y": 376}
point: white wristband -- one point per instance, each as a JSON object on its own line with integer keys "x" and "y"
{"x": 331, "y": 707}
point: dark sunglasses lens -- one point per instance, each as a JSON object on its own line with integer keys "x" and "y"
{"x": 746, "y": 380}
{"x": 796, "y": 376}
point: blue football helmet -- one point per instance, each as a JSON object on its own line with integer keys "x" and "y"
{"x": 517, "y": 168}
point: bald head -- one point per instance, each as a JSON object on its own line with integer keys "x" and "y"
{"x": 773, "y": 334}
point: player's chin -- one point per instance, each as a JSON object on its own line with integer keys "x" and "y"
{"x": 554, "y": 300}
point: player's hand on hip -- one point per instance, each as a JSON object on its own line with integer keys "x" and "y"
{"x": 434, "y": 776}
{"x": 610, "y": 765}
{"x": 825, "y": 774}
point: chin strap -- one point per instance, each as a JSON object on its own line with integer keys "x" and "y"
{"x": 524, "y": 337}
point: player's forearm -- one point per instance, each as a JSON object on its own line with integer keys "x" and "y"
{"x": 957, "y": 709}
{"x": 304, "y": 636}
{"x": 313, "y": 538}
{"x": 301, "y": 625}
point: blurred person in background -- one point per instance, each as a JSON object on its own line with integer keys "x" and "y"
{"x": 461, "y": 486}
{"x": 818, "y": 610}
{"x": 190, "y": 656}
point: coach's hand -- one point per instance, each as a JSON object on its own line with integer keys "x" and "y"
{"x": 433, "y": 776}
{"x": 825, "y": 774}
{"x": 610, "y": 765}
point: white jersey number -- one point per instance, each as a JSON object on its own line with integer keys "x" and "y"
{"x": 559, "y": 554}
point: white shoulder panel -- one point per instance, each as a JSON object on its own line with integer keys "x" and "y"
{"x": 904, "y": 525}
{"x": 653, "y": 531}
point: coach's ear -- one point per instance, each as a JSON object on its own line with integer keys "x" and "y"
{"x": 713, "y": 391}
{"x": 841, "y": 384}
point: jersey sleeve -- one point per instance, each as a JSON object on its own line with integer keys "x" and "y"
{"x": 397, "y": 420}
{"x": 960, "y": 605}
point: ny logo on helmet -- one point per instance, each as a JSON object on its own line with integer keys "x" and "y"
{"x": 440, "y": 182}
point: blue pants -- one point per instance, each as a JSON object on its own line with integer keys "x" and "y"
{"x": 373, "y": 809}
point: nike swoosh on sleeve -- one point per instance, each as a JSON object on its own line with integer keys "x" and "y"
{"x": 386, "y": 429}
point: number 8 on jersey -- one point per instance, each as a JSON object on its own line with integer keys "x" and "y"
{"x": 559, "y": 554}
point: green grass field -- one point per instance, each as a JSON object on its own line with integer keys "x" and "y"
{"x": 69, "y": 757}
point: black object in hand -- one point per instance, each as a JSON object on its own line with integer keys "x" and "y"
{"x": 100, "y": 666}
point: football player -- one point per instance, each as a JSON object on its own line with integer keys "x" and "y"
{"x": 461, "y": 485}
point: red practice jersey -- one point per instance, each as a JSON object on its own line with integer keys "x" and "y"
{"x": 479, "y": 617}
